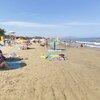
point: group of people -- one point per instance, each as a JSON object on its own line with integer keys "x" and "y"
{"x": 44, "y": 43}
{"x": 7, "y": 42}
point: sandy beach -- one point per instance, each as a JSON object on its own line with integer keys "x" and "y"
{"x": 76, "y": 78}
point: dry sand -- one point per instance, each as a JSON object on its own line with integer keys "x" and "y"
{"x": 77, "y": 78}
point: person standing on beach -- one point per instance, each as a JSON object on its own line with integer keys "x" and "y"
{"x": 9, "y": 42}
{"x": 81, "y": 45}
{"x": 46, "y": 43}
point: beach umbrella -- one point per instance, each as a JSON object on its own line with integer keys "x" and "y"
{"x": 57, "y": 39}
{"x": 54, "y": 43}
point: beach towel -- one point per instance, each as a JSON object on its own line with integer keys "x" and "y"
{"x": 50, "y": 56}
{"x": 1, "y": 45}
{"x": 54, "y": 50}
{"x": 14, "y": 65}
{"x": 53, "y": 57}
{"x": 57, "y": 59}
{"x": 44, "y": 57}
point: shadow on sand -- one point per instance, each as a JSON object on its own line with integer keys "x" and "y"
{"x": 30, "y": 48}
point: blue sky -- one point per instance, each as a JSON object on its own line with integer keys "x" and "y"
{"x": 51, "y": 18}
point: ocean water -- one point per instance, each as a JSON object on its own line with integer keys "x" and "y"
{"x": 88, "y": 42}
{"x": 81, "y": 39}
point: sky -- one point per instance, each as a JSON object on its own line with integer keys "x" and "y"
{"x": 51, "y": 18}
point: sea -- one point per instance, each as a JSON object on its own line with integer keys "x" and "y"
{"x": 88, "y": 42}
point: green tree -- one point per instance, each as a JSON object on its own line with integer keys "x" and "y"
{"x": 2, "y": 32}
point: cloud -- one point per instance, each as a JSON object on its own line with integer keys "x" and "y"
{"x": 80, "y": 23}
{"x": 27, "y": 24}
{"x": 40, "y": 25}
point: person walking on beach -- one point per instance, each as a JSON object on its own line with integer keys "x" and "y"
{"x": 4, "y": 42}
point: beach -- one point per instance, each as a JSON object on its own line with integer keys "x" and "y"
{"x": 76, "y": 78}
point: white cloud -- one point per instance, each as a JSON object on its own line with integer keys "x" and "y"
{"x": 27, "y": 24}
{"x": 80, "y": 23}
{"x": 39, "y": 25}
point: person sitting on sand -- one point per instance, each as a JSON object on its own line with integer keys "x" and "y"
{"x": 2, "y": 60}
{"x": 13, "y": 57}
{"x": 3, "y": 64}
{"x": 62, "y": 55}
{"x": 1, "y": 55}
